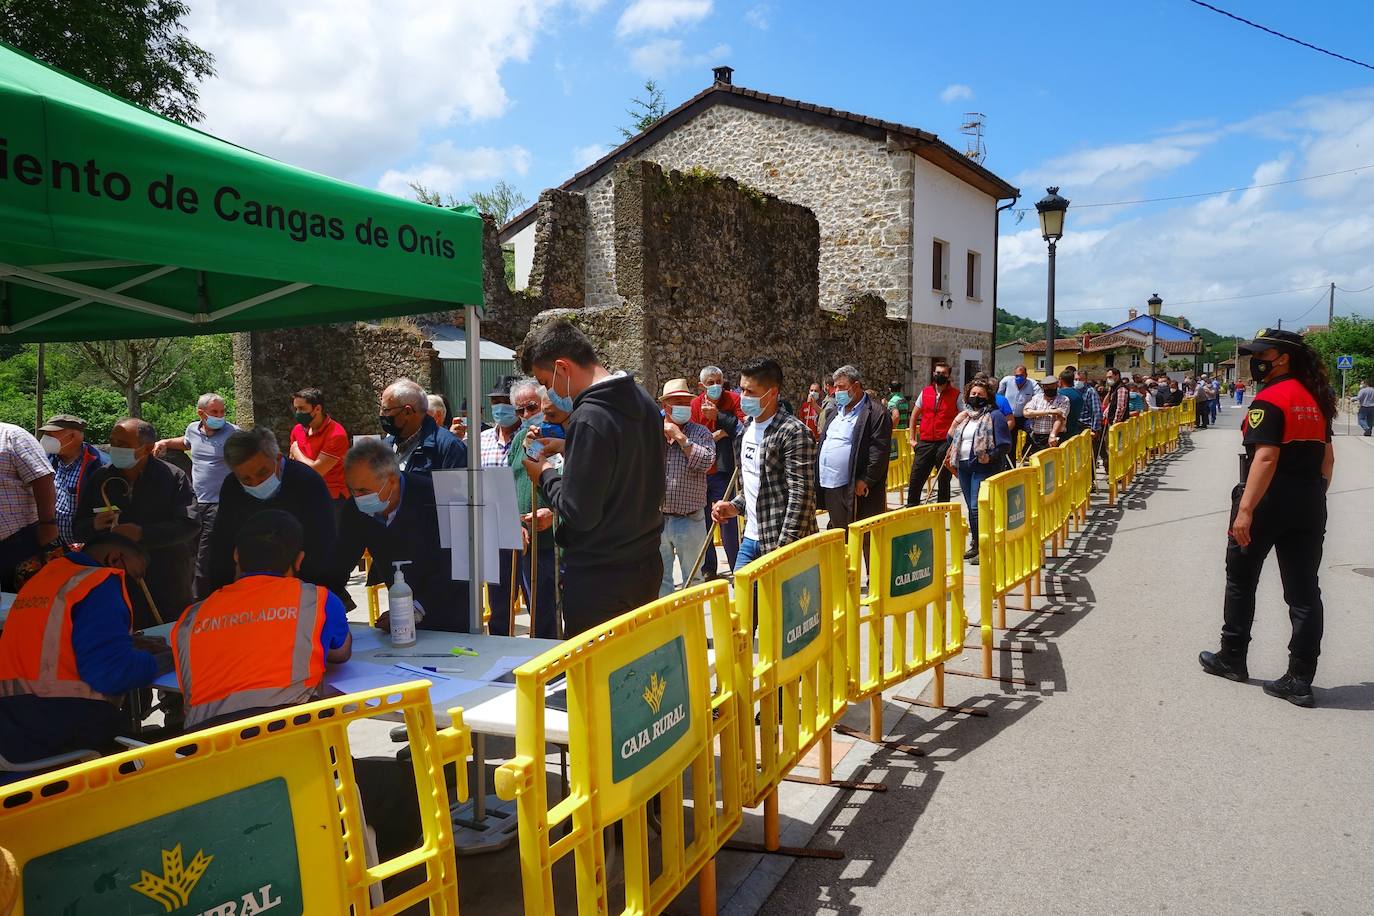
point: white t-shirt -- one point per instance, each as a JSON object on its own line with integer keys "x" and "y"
{"x": 751, "y": 458}
{"x": 966, "y": 436}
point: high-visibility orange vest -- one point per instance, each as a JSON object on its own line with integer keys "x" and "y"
{"x": 36, "y": 655}
{"x": 253, "y": 643}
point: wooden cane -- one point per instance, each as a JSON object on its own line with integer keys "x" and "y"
{"x": 534, "y": 554}
{"x": 110, "y": 507}
{"x": 710, "y": 533}
{"x": 514, "y": 589}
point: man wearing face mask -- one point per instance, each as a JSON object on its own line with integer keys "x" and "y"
{"x": 73, "y": 460}
{"x": 936, "y": 407}
{"x": 319, "y": 442}
{"x": 64, "y": 694}
{"x": 260, "y": 478}
{"x": 1280, "y": 505}
{"x": 1048, "y": 415}
{"x": 535, "y": 569}
{"x": 420, "y": 444}
{"x": 777, "y": 460}
{"x": 154, "y": 506}
{"x": 393, "y": 517}
{"x": 853, "y": 454}
{"x": 204, "y": 440}
{"x": 608, "y": 495}
{"x": 810, "y": 412}
{"x": 1018, "y": 391}
{"x": 498, "y": 438}
{"x": 688, "y": 452}
{"x": 718, "y": 410}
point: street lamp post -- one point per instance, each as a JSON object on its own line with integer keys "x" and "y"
{"x": 1051, "y": 209}
{"x": 1155, "y": 304}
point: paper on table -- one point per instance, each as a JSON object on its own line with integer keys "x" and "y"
{"x": 354, "y": 676}
{"x": 504, "y": 665}
{"x": 365, "y": 640}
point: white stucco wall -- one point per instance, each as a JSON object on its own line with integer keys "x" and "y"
{"x": 523, "y": 242}
{"x": 962, "y": 216}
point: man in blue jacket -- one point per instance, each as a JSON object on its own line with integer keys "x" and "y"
{"x": 421, "y": 446}
{"x": 51, "y": 712}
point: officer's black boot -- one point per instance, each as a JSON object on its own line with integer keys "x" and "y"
{"x": 1294, "y": 689}
{"x": 1224, "y": 664}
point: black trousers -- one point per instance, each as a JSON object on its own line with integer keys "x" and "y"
{"x": 205, "y": 514}
{"x": 595, "y": 594}
{"x": 927, "y": 457}
{"x": 1036, "y": 442}
{"x": 1291, "y": 521}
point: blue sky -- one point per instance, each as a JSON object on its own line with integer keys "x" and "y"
{"x": 1112, "y": 101}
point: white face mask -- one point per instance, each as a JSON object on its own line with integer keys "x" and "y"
{"x": 50, "y": 445}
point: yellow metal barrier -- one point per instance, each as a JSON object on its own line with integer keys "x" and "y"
{"x": 912, "y": 618}
{"x": 796, "y": 688}
{"x": 899, "y": 468}
{"x": 1008, "y": 547}
{"x": 1055, "y": 501}
{"x": 641, "y": 715}
{"x": 1022, "y": 443}
{"x": 1120, "y": 458}
{"x": 242, "y": 818}
{"x": 1079, "y": 452}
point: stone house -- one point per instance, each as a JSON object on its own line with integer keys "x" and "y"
{"x": 1096, "y": 353}
{"x": 903, "y": 216}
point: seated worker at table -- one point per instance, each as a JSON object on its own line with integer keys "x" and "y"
{"x": 259, "y": 479}
{"x": 260, "y": 643}
{"x": 393, "y": 517}
{"x": 66, "y": 654}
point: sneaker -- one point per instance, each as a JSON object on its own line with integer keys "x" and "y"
{"x": 1293, "y": 689}
{"x": 971, "y": 552}
{"x": 1224, "y": 665}
{"x": 973, "y": 560}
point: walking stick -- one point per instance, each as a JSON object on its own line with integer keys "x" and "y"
{"x": 710, "y": 532}
{"x": 110, "y": 507}
{"x": 514, "y": 589}
{"x": 534, "y": 554}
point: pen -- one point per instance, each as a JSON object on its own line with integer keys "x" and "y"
{"x": 413, "y": 655}
{"x": 424, "y": 671}
{"x": 443, "y": 670}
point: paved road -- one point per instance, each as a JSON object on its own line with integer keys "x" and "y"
{"x": 1130, "y": 782}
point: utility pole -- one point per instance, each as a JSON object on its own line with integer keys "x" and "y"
{"x": 1330, "y": 304}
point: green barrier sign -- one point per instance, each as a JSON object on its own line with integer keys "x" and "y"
{"x": 913, "y": 562}
{"x": 1016, "y": 506}
{"x": 801, "y": 610}
{"x": 235, "y": 854}
{"x": 1050, "y": 477}
{"x": 650, "y": 708}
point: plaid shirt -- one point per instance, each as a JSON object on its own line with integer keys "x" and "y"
{"x": 1043, "y": 426}
{"x": 685, "y": 472}
{"x": 22, "y": 461}
{"x": 1091, "y": 415}
{"x": 787, "y": 485}
{"x": 494, "y": 453}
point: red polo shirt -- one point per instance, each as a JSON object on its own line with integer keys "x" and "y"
{"x": 330, "y": 440}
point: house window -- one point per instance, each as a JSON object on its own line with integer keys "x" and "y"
{"x": 1040, "y": 363}
{"x": 1110, "y": 360}
{"x": 1135, "y": 359}
{"x": 939, "y": 266}
{"x": 973, "y": 280}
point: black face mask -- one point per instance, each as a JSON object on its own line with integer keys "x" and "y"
{"x": 941, "y": 378}
{"x": 1260, "y": 368}
{"x": 977, "y": 402}
{"x": 388, "y": 424}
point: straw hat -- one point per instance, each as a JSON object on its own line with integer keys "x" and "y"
{"x": 675, "y": 387}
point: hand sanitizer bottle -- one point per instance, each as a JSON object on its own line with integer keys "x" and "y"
{"x": 401, "y": 609}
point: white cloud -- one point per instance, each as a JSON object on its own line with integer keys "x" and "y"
{"x": 453, "y": 171}
{"x": 661, "y": 15}
{"x": 955, "y": 91}
{"x": 663, "y": 56}
{"x": 757, "y": 16}
{"x": 1289, "y": 237}
{"x": 583, "y": 156}
{"x": 348, "y": 86}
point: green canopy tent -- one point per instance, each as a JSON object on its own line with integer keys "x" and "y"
{"x": 116, "y": 223}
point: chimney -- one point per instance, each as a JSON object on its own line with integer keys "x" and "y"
{"x": 722, "y": 75}
{"x": 1087, "y": 338}
{"x": 1131, "y": 314}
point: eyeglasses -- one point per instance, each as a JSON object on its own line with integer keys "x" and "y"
{"x": 522, "y": 409}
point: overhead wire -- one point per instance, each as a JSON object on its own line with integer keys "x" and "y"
{"x": 1278, "y": 34}
{"x": 1365, "y": 290}
{"x": 1320, "y": 300}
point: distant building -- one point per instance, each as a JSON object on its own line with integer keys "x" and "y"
{"x": 1123, "y": 347}
{"x": 902, "y": 215}
{"x": 1007, "y": 357}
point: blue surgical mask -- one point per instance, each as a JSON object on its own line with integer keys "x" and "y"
{"x": 123, "y": 458}
{"x": 842, "y": 398}
{"x": 554, "y": 431}
{"x": 713, "y": 391}
{"x": 214, "y": 423}
{"x": 535, "y": 420}
{"x": 681, "y": 413}
{"x": 1020, "y": 381}
{"x": 504, "y": 414}
{"x": 752, "y": 407}
{"x": 265, "y": 490}
{"x": 1080, "y": 384}
{"x": 370, "y": 503}
{"x": 562, "y": 402}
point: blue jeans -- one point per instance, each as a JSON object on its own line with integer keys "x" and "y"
{"x": 748, "y": 553}
{"x": 683, "y": 535}
{"x": 971, "y": 477}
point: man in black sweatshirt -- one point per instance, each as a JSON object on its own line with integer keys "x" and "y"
{"x": 611, "y": 486}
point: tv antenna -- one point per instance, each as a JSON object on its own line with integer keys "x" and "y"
{"x": 972, "y": 128}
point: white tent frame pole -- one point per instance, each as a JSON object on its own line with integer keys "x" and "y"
{"x": 24, "y": 276}
{"x": 472, "y": 335}
{"x": 78, "y": 303}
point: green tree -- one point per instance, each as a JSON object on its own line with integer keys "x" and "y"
{"x": 644, "y": 112}
{"x": 136, "y": 49}
{"x": 500, "y": 203}
{"x": 1348, "y": 335}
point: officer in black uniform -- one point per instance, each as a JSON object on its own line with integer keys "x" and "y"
{"x": 1280, "y": 503}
